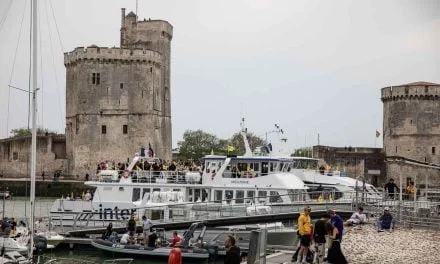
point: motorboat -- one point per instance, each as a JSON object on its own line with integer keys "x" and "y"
{"x": 14, "y": 257}
{"x": 189, "y": 251}
{"x": 9, "y": 244}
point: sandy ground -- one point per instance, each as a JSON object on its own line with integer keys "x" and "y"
{"x": 403, "y": 245}
{"x": 367, "y": 246}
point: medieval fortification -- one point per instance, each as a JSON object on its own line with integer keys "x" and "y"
{"x": 118, "y": 99}
{"x": 411, "y": 129}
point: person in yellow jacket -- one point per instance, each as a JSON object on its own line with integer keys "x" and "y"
{"x": 305, "y": 234}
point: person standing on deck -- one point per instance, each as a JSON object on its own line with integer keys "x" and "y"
{"x": 146, "y": 225}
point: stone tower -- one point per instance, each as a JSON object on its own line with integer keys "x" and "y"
{"x": 118, "y": 99}
{"x": 411, "y": 129}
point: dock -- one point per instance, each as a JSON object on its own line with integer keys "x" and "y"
{"x": 280, "y": 257}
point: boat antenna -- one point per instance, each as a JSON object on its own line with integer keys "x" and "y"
{"x": 248, "y": 151}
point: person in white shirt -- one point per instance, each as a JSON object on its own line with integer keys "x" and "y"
{"x": 357, "y": 217}
{"x": 146, "y": 226}
{"x": 125, "y": 238}
{"x": 88, "y": 196}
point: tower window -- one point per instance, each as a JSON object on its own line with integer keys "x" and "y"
{"x": 96, "y": 78}
{"x": 15, "y": 155}
{"x": 121, "y": 85}
{"x": 396, "y": 149}
{"x": 103, "y": 129}
{"x": 433, "y": 150}
{"x": 125, "y": 129}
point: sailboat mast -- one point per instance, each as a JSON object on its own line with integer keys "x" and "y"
{"x": 34, "y": 122}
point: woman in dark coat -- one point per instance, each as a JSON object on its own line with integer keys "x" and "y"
{"x": 334, "y": 254}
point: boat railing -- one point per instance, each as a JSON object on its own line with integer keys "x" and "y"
{"x": 151, "y": 176}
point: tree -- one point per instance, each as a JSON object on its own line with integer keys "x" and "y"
{"x": 196, "y": 144}
{"x": 303, "y": 152}
{"x": 237, "y": 142}
{"x": 22, "y": 132}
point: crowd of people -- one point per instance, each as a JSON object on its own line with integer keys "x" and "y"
{"x": 328, "y": 231}
{"x": 148, "y": 236}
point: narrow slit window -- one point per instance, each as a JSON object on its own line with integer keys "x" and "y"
{"x": 103, "y": 129}
{"x": 433, "y": 150}
{"x": 121, "y": 85}
{"x": 125, "y": 129}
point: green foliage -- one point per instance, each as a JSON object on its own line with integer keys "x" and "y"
{"x": 302, "y": 152}
{"x": 22, "y": 132}
{"x": 196, "y": 144}
{"x": 237, "y": 142}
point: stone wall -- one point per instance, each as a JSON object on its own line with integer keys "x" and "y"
{"x": 360, "y": 162}
{"x": 15, "y": 155}
{"x": 411, "y": 128}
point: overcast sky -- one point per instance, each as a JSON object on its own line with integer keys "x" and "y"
{"x": 310, "y": 66}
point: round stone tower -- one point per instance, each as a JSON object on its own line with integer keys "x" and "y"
{"x": 411, "y": 129}
{"x": 118, "y": 99}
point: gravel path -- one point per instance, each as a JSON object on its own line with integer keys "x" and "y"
{"x": 403, "y": 245}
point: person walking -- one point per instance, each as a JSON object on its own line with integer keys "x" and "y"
{"x": 232, "y": 251}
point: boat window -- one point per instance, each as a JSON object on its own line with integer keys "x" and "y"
{"x": 271, "y": 167}
{"x": 136, "y": 194}
{"x": 156, "y": 190}
{"x": 239, "y": 195}
{"x": 197, "y": 196}
{"x": 229, "y": 194}
{"x": 264, "y": 168}
{"x": 218, "y": 196}
{"x": 205, "y": 195}
{"x": 250, "y": 196}
{"x": 145, "y": 191}
{"x": 293, "y": 195}
{"x": 262, "y": 196}
{"x": 275, "y": 197}
{"x": 256, "y": 166}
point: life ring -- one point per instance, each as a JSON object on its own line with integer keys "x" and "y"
{"x": 125, "y": 174}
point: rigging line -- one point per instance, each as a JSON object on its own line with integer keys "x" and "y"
{"x": 2, "y": 21}
{"x": 42, "y": 71}
{"x": 13, "y": 68}
{"x": 54, "y": 67}
{"x": 56, "y": 25}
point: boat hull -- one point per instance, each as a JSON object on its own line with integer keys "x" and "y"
{"x": 187, "y": 253}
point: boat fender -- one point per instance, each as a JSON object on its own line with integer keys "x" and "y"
{"x": 175, "y": 256}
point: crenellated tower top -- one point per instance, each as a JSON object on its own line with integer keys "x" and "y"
{"x": 411, "y": 91}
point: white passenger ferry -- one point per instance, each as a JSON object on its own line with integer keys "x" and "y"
{"x": 251, "y": 179}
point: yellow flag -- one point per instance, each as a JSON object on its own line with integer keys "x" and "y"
{"x": 212, "y": 151}
{"x": 230, "y": 148}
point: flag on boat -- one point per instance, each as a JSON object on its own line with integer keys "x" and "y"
{"x": 377, "y": 134}
{"x": 150, "y": 151}
{"x": 230, "y": 148}
{"x": 212, "y": 151}
{"x": 142, "y": 152}
{"x": 269, "y": 147}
